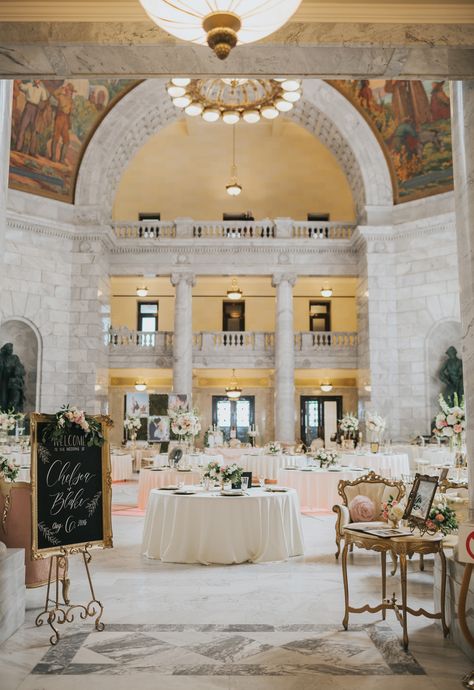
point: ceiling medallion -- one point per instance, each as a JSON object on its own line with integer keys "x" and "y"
{"x": 234, "y": 99}
{"x": 220, "y": 23}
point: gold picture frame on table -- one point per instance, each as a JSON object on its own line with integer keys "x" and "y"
{"x": 420, "y": 500}
{"x": 40, "y": 453}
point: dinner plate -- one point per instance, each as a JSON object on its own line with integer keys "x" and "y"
{"x": 169, "y": 488}
{"x": 157, "y": 469}
{"x": 234, "y": 492}
{"x": 290, "y": 468}
{"x": 184, "y": 492}
{"x": 276, "y": 490}
{"x": 188, "y": 470}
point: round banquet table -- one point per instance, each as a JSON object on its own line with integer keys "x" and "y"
{"x": 316, "y": 489}
{"x": 267, "y": 466}
{"x": 209, "y": 528}
{"x": 149, "y": 479}
{"x": 232, "y": 454}
{"x": 390, "y": 466}
{"x": 122, "y": 467}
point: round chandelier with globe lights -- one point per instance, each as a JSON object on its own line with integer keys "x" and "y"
{"x": 232, "y": 99}
{"x": 222, "y": 24}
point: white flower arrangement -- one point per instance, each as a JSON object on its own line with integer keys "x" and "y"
{"x": 7, "y": 421}
{"x": 326, "y": 457}
{"x": 451, "y": 421}
{"x": 213, "y": 470}
{"x": 273, "y": 448}
{"x": 349, "y": 423}
{"x": 374, "y": 423}
{"x": 8, "y": 469}
{"x": 183, "y": 423}
{"x": 132, "y": 424}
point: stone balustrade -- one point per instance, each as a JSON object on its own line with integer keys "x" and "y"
{"x": 266, "y": 229}
{"x": 232, "y": 349}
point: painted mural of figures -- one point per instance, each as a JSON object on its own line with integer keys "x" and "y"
{"x": 36, "y": 97}
{"x": 365, "y": 94}
{"x": 64, "y": 96}
{"x": 440, "y": 104}
{"x": 409, "y": 100}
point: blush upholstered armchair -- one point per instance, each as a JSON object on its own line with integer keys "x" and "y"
{"x": 377, "y": 489}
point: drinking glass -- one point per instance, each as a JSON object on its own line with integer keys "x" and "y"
{"x": 261, "y": 481}
{"x": 244, "y": 483}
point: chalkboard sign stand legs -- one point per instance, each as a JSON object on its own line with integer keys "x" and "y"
{"x": 56, "y": 612}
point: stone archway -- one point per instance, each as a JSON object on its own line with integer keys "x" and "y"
{"x": 323, "y": 111}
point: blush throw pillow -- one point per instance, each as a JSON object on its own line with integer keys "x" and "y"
{"x": 362, "y": 509}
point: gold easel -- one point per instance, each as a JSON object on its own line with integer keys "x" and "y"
{"x": 57, "y": 613}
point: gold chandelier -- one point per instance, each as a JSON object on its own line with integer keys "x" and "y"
{"x": 233, "y": 188}
{"x": 232, "y": 99}
{"x": 233, "y": 391}
{"x": 220, "y": 23}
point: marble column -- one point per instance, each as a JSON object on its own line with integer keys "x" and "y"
{"x": 284, "y": 358}
{"x": 462, "y": 104}
{"x": 183, "y": 334}
{"x": 5, "y": 126}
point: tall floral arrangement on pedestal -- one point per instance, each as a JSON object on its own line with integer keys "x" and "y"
{"x": 349, "y": 425}
{"x": 375, "y": 425}
{"x": 131, "y": 425}
{"x": 450, "y": 423}
{"x": 7, "y": 421}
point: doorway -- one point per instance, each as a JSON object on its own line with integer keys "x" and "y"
{"x": 234, "y": 414}
{"x": 318, "y": 416}
{"x": 233, "y": 316}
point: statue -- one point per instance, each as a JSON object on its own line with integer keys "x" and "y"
{"x": 451, "y": 375}
{"x": 12, "y": 380}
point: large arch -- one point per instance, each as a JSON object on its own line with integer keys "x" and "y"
{"x": 323, "y": 111}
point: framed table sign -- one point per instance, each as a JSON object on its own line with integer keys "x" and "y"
{"x": 71, "y": 487}
{"x": 420, "y": 499}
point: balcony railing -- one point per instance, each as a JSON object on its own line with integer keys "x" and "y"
{"x": 266, "y": 229}
{"x": 326, "y": 340}
{"x": 233, "y": 341}
{"x": 124, "y": 338}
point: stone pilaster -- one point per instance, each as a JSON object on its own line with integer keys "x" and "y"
{"x": 284, "y": 358}
{"x": 463, "y": 157}
{"x": 183, "y": 334}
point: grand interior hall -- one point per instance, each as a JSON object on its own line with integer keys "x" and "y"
{"x": 236, "y": 344}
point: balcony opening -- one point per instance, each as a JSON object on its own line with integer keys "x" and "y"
{"x": 147, "y": 321}
{"x": 319, "y": 316}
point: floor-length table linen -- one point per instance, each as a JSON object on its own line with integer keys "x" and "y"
{"x": 149, "y": 479}
{"x": 122, "y": 467}
{"x": 261, "y": 464}
{"x": 209, "y": 528}
{"x": 316, "y": 489}
{"x": 390, "y": 466}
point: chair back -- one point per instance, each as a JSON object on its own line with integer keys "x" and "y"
{"x": 377, "y": 488}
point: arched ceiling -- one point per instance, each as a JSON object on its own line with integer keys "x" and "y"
{"x": 408, "y": 123}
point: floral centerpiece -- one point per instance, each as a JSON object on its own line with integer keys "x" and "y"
{"x": 273, "y": 448}
{"x": 349, "y": 425}
{"x": 131, "y": 425}
{"x": 393, "y": 511}
{"x": 7, "y": 423}
{"x": 442, "y": 517}
{"x": 451, "y": 421}
{"x": 70, "y": 419}
{"x": 8, "y": 469}
{"x": 326, "y": 457}
{"x": 231, "y": 474}
{"x": 213, "y": 471}
{"x": 184, "y": 423}
{"x": 375, "y": 426}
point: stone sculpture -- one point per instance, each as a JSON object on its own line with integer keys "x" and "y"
{"x": 12, "y": 380}
{"x": 451, "y": 375}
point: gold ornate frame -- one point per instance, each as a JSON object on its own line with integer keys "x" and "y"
{"x": 415, "y": 520}
{"x": 106, "y": 542}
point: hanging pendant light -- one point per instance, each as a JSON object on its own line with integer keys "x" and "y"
{"x": 233, "y": 188}
{"x": 235, "y": 292}
{"x": 220, "y": 23}
{"x": 140, "y": 386}
{"x": 233, "y": 391}
{"x": 326, "y": 292}
{"x": 326, "y": 387}
{"x": 142, "y": 291}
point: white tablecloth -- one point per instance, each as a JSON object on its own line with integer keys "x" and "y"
{"x": 154, "y": 479}
{"x": 209, "y": 528}
{"x": 122, "y": 467}
{"x": 391, "y": 466}
{"x": 255, "y": 461}
{"x": 232, "y": 454}
{"x": 316, "y": 489}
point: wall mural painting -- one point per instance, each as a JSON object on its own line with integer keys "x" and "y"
{"x": 52, "y": 123}
{"x": 413, "y": 123}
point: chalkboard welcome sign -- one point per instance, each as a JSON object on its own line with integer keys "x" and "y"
{"x": 71, "y": 491}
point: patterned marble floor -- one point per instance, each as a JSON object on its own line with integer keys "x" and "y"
{"x": 270, "y": 626}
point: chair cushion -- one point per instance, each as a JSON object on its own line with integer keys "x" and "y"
{"x": 376, "y": 491}
{"x": 362, "y": 509}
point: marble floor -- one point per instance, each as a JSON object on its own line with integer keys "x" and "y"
{"x": 255, "y": 626}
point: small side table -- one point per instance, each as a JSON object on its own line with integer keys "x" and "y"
{"x": 403, "y": 547}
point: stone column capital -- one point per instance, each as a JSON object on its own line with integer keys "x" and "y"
{"x": 188, "y": 278}
{"x": 278, "y": 278}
